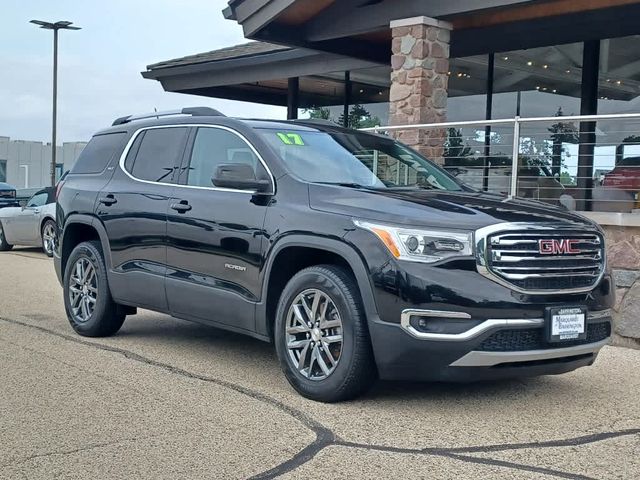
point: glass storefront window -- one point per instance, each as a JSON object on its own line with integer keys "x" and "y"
{"x": 467, "y": 88}
{"x": 617, "y": 150}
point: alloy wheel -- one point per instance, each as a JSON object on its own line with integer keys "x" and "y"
{"x": 49, "y": 237}
{"x": 314, "y": 334}
{"x": 83, "y": 289}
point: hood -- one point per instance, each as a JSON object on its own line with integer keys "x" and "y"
{"x": 435, "y": 208}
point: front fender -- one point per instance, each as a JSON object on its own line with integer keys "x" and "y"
{"x": 330, "y": 244}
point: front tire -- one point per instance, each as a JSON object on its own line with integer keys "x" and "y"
{"x": 87, "y": 299}
{"x": 4, "y": 245}
{"x": 321, "y": 335}
{"x": 48, "y": 235}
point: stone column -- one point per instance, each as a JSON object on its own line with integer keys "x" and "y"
{"x": 419, "y": 78}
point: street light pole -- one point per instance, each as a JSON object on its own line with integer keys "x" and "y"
{"x": 62, "y": 25}
{"x": 54, "y": 122}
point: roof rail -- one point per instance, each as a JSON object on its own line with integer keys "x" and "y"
{"x": 193, "y": 111}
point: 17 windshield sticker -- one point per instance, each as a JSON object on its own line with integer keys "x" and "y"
{"x": 290, "y": 138}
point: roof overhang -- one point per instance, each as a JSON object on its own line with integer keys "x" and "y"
{"x": 262, "y": 78}
{"x": 360, "y": 28}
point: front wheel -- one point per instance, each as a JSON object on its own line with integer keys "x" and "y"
{"x": 321, "y": 335}
{"x": 87, "y": 299}
{"x": 49, "y": 237}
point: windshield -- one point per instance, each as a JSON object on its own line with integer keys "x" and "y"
{"x": 355, "y": 159}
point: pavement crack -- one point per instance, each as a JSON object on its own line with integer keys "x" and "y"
{"x": 325, "y": 437}
{"x": 518, "y": 466}
{"x": 568, "y": 442}
{"x": 70, "y": 451}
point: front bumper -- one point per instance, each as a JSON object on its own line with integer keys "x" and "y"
{"x": 492, "y": 349}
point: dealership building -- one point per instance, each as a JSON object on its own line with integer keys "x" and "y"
{"x": 425, "y": 62}
{"x": 26, "y": 164}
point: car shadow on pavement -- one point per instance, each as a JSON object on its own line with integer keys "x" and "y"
{"x": 202, "y": 340}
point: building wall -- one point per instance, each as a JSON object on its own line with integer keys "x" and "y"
{"x": 37, "y": 157}
{"x": 623, "y": 255}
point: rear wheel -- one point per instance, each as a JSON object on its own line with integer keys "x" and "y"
{"x": 321, "y": 335}
{"x": 49, "y": 237}
{"x": 87, "y": 299}
{"x": 4, "y": 245}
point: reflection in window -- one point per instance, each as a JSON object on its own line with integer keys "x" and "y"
{"x": 214, "y": 147}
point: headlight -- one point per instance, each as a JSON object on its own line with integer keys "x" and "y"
{"x": 421, "y": 245}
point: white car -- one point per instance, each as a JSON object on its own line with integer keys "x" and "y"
{"x": 32, "y": 225}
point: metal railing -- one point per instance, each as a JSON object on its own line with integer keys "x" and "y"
{"x": 585, "y": 162}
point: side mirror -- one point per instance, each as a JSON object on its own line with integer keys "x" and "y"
{"x": 23, "y": 204}
{"x": 239, "y": 176}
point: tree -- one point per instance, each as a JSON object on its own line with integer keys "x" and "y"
{"x": 455, "y": 149}
{"x": 321, "y": 113}
{"x": 359, "y": 117}
{"x": 561, "y": 133}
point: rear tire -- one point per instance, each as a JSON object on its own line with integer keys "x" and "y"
{"x": 338, "y": 363}
{"x": 87, "y": 299}
{"x": 48, "y": 236}
{"x": 4, "y": 245}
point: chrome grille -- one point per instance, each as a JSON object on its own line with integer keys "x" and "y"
{"x": 515, "y": 258}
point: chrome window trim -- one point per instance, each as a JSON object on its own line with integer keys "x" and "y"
{"x": 489, "y": 359}
{"x": 125, "y": 152}
{"x": 405, "y": 322}
{"x": 480, "y": 238}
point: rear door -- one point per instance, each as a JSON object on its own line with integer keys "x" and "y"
{"x": 215, "y": 235}
{"x": 133, "y": 208}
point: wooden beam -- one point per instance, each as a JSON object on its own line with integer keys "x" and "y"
{"x": 533, "y": 10}
{"x": 355, "y": 17}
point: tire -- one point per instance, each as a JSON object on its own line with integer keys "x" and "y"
{"x": 102, "y": 317}
{"x": 354, "y": 370}
{"x": 4, "y": 245}
{"x": 48, "y": 236}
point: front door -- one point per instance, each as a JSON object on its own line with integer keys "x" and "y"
{"x": 215, "y": 235}
{"x": 133, "y": 208}
{"x": 26, "y": 224}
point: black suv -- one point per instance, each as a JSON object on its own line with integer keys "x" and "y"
{"x": 356, "y": 256}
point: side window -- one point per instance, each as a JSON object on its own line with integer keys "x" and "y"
{"x": 213, "y": 147}
{"x": 97, "y": 154}
{"x": 159, "y": 152}
{"x": 38, "y": 200}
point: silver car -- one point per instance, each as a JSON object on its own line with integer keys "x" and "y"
{"x": 32, "y": 225}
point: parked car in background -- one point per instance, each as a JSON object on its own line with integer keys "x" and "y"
{"x": 625, "y": 176}
{"x": 7, "y": 195}
{"x": 32, "y": 225}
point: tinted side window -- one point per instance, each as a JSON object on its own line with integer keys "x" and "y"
{"x": 98, "y": 152}
{"x": 38, "y": 200}
{"x": 159, "y": 153}
{"x": 213, "y": 147}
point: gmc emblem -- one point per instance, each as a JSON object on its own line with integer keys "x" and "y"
{"x": 551, "y": 246}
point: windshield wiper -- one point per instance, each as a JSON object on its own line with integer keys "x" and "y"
{"x": 344, "y": 184}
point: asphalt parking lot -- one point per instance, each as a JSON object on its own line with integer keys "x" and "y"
{"x": 170, "y": 399}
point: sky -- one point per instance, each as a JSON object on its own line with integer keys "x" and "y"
{"x": 99, "y": 66}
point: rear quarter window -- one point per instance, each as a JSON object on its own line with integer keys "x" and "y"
{"x": 98, "y": 153}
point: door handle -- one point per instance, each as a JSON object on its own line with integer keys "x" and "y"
{"x": 108, "y": 200}
{"x": 181, "y": 207}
